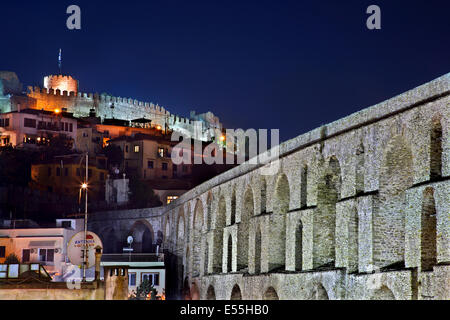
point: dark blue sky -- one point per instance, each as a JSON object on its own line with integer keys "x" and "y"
{"x": 292, "y": 65}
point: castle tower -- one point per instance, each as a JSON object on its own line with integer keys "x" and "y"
{"x": 63, "y": 83}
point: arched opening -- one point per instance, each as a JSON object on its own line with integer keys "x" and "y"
{"x": 436, "y": 149}
{"x": 211, "y": 293}
{"x": 142, "y": 233}
{"x": 147, "y": 242}
{"x": 396, "y": 176}
{"x": 270, "y": 294}
{"x": 186, "y": 290}
{"x": 353, "y": 240}
{"x": 187, "y": 261}
{"x": 383, "y": 293}
{"x": 258, "y": 250}
{"x": 208, "y": 211}
{"x": 428, "y": 231}
{"x": 109, "y": 242}
{"x": 304, "y": 187}
{"x": 218, "y": 237}
{"x": 180, "y": 247}
{"x": 263, "y": 195}
{"x": 236, "y": 293}
{"x": 230, "y": 254}
{"x": 360, "y": 161}
{"x": 324, "y": 226}
{"x": 299, "y": 246}
{"x": 206, "y": 266}
{"x": 243, "y": 235}
{"x": 277, "y": 254}
{"x": 167, "y": 240}
{"x": 198, "y": 225}
{"x": 233, "y": 207}
{"x": 195, "y": 292}
{"x": 319, "y": 293}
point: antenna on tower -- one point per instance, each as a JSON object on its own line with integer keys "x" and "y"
{"x": 59, "y": 62}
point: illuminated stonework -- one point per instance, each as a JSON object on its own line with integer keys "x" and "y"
{"x": 62, "y": 83}
{"x": 358, "y": 210}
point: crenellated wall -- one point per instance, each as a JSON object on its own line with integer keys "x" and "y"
{"x": 358, "y": 209}
{"x": 105, "y": 106}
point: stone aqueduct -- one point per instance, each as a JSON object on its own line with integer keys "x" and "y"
{"x": 359, "y": 209}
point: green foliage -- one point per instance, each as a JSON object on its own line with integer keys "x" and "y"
{"x": 142, "y": 195}
{"x": 144, "y": 290}
{"x": 12, "y": 259}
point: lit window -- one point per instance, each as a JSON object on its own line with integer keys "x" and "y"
{"x": 136, "y": 149}
{"x": 161, "y": 152}
{"x": 171, "y": 198}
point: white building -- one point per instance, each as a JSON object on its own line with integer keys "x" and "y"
{"x": 30, "y": 127}
{"x": 47, "y": 246}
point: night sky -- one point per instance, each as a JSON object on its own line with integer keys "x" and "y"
{"x": 292, "y": 65}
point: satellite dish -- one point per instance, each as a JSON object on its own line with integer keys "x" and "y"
{"x": 130, "y": 240}
{"x": 76, "y": 246}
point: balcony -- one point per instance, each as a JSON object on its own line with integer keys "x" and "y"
{"x": 48, "y": 127}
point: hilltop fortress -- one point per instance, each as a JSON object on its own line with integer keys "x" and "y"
{"x": 62, "y": 92}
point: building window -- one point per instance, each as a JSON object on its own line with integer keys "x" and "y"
{"x": 2, "y": 251}
{"x": 7, "y": 122}
{"x": 153, "y": 278}
{"x": 102, "y": 176}
{"x": 136, "y": 149}
{"x": 49, "y": 172}
{"x": 25, "y": 255}
{"x": 29, "y": 123}
{"x": 58, "y": 172}
{"x": 66, "y": 172}
{"x": 90, "y": 173}
{"x": 71, "y": 127}
{"x": 171, "y": 198}
{"x": 150, "y": 164}
{"x": 47, "y": 255}
{"x": 126, "y": 148}
{"x": 132, "y": 279}
{"x": 164, "y": 166}
{"x": 78, "y": 172}
{"x": 161, "y": 152}
{"x": 66, "y": 224}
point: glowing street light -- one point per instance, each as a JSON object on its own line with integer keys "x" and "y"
{"x": 222, "y": 138}
{"x": 84, "y": 186}
{"x": 57, "y": 111}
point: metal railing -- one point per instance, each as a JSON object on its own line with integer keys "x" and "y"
{"x": 133, "y": 257}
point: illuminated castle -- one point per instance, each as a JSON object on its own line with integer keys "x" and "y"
{"x": 62, "y": 92}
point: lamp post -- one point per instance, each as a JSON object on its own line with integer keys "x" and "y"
{"x": 85, "y": 187}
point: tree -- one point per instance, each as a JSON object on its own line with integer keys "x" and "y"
{"x": 12, "y": 259}
{"x": 144, "y": 290}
